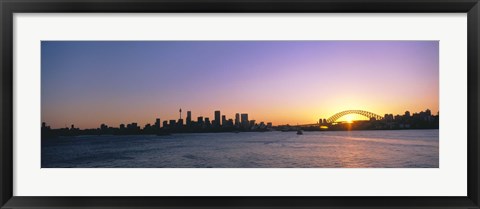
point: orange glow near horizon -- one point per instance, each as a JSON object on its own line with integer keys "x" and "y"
{"x": 349, "y": 119}
{"x": 88, "y": 83}
{"x": 276, "y": 117}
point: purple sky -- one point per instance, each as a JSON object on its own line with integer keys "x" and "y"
{"x": 87, "y": 83}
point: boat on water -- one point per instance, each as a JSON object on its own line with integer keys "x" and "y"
{"x": 299, "y": 132}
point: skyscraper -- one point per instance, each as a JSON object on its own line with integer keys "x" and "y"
{"x": 224, "y": 120}
{"x": 157, "y": 123}
{"x": 217, "y": 118}
{"x": 207, "y": 122}
{"x": 189, "y": 118}
{"x": 237, "y": 119}
{"x": 244, "y": 117}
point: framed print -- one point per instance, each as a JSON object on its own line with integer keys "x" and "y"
{"x": 239, "y": 104}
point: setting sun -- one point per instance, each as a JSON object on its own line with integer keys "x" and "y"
{"x": 349, "y": 118}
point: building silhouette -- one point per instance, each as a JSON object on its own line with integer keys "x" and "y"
{"x": 244, "y": 120}
{"x": 207, "y": 122}
{"x": 157, "y": 123}
{"x": 224, "y": 120}
{"x": 216, "y": 122}
{"x": 237, "y": 120}
{"x": 417, "y": 120}
{"x": 189, "y": 118}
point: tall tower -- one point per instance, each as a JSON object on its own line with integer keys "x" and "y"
{"x": 244, "y": 120}
{"x": 189, "y": 118}
{"x": 180, "y": 113}
{"x": 217, "y": 118}
{"x": 237, "y": 119}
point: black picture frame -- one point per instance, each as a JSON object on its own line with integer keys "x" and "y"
{"x": 9, "y": 7}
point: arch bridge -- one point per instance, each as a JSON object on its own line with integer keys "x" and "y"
{"x": 358, "y": 112}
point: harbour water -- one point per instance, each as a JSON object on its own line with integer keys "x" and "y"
{"x": 327, "y": 149}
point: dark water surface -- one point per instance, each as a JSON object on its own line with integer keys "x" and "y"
{"x": 329, "y": 149}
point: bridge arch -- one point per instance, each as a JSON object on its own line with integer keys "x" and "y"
{"x": 348, "y": 112}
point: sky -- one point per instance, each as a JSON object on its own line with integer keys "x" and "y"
{"x": 88, "y": 83}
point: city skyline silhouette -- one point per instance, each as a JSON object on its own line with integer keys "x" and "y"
{"x": 218, "y": 119}
{"x": 284, "y": 82}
